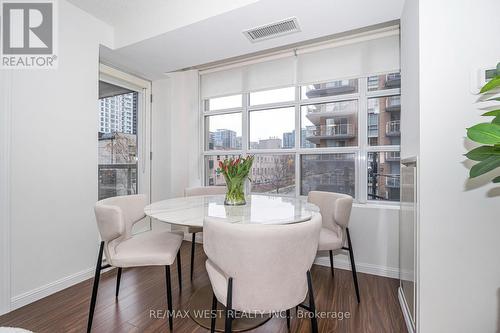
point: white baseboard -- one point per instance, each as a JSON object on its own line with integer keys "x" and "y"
{"x": 406, "y": 311}
{"x": 361, "y": 267}
{"x": 50, "y": 288}
{"x": 53, "y": 287}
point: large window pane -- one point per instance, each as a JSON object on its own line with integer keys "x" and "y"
{"x": 383, "y": 175}
{"x": 329, "y": 125}
{"x": 273, "y": 174}
{"x": 212, "y": 178}
{"x": 328, "y": 172}
{"x": 333, "y": 88}
{"x": 117, "y": 145}
{"x": 223, "y": 132}
{"x": 272, "y": 96}
{"x": 226, "y": 102}
{"x": 270, "y": 128}
{"x": 382, "y": 82}
{"x": 384, "y": 124}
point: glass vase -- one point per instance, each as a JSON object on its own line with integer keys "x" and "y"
{"x": 235, "y": 194}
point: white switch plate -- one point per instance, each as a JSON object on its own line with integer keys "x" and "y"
{"x": 478, "y": 78}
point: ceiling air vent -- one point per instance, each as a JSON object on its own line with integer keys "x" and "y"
{"x": 272, "y": 30}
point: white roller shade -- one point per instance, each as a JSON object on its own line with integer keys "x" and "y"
{"x": 221, "y": 83}
{"x": 251, "y": 77}
{"x": 270, "y": 74}
{"x": 373, "y": 56}
{"x": 347, "y": 58}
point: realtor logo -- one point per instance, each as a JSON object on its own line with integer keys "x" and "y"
{"x": 28, "y": 34}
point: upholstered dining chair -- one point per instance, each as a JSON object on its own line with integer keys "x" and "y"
{"x": 255, "y": 268}
{"x": 335, "y": 210}
{"x": 115, "y": 218}
{"x": 191, "y": 192}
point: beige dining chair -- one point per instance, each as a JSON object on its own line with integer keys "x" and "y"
{"x": 335, "y": 210}
{"x": 115, "y": 218}
{"x": 191, "y": 192}
{"x": 255, "y": 268}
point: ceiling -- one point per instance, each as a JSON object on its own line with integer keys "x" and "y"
{"x": 158, "y": 36}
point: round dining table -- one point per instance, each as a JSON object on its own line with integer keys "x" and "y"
{"x": 259, "y": 209}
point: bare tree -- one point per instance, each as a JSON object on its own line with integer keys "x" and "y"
{"x": 122, "y": 148}
{"x": 281, "y": 172}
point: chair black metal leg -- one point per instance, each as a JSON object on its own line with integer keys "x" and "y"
{"x": 229, "y": 304}
{"x": 331, "y": 262}
{"x": 169, "y": 297}
{"x": 179, "y": 269}
{"x": 95, "y": 287}
{"x": 288, "y": 319}
{"x": 213, "y": 314}
{"x": 118, "y": 278}
{"x": 192, "y": 254}
{"x": 312, "y": 306}
{"x": 353, "y": 265}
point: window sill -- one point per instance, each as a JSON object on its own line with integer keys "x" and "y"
{"x": 378, "y": 205}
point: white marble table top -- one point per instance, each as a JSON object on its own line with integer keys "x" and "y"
{"x": 261, "y": 209}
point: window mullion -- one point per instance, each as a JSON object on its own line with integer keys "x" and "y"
{"x": 245, "y": 124}
{"x": 298, "y": 127}
{"x": 362, "y": 173}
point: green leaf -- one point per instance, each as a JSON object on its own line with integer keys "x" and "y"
{"x": 485, "y": 166}
{"x": 496, "y": 120}
{"x": 490, "y": 85}
{"x": 493, "y": 113}
{"x": 485, "y": 133}
{"x": 482, "y": 153}
{"x": 496, "y": 179}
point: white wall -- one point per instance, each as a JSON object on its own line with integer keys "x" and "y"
{"x": 374, "y": 232}
{"x": 459, "y": 218}
{"x": 410, "y": 127}
{"x": 5, "y": 115}
{"x": 53, "y": 163}
{"x": 176, "y": 140}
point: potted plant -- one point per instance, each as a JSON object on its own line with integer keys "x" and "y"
{"x": 235, "y": 172}
{"x": 487, "y": 133}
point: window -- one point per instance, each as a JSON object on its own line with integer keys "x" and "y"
{"x": 272, "y": 96}
{"x": 383, "y": 82}
{"x": 227, "y": 102}
{"x": 324, "y": 119}
{"x": 223, "y": 132}
{"x": 212, "y": 178}
{"x": 117, "y": 147}
{"x": 383, "y": 175}
{"x": 329, "y": 125}
{"x": 328, "y": 89}
{"x": 274, "y": 174}
{"x": 328, "y": 172}
{"x": 330, "y": 144}
{"x": 384, "y": 121}
{"x": 269, "y": 128}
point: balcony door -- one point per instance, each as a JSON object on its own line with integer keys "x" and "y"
{"x": 123, "y": 136}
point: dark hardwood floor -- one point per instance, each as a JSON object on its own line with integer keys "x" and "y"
{"x": 143, "y": 289}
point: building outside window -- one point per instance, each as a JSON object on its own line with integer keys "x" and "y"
{"x": 325, "y": 129}
{"x": 117, "y": 142}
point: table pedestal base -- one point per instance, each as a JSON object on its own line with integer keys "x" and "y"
{"x": 199, "y": 311}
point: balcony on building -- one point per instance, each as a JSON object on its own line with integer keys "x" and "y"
{"x": 393, "y": 104}
{"x": 393, "y": 128}
{"x": 393, "y": 81}
{"x": 392, "y": 156}
{"x": 392, "y": 181}
{"x": 332, "y": 88}
{"x": 330, "y": 132}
